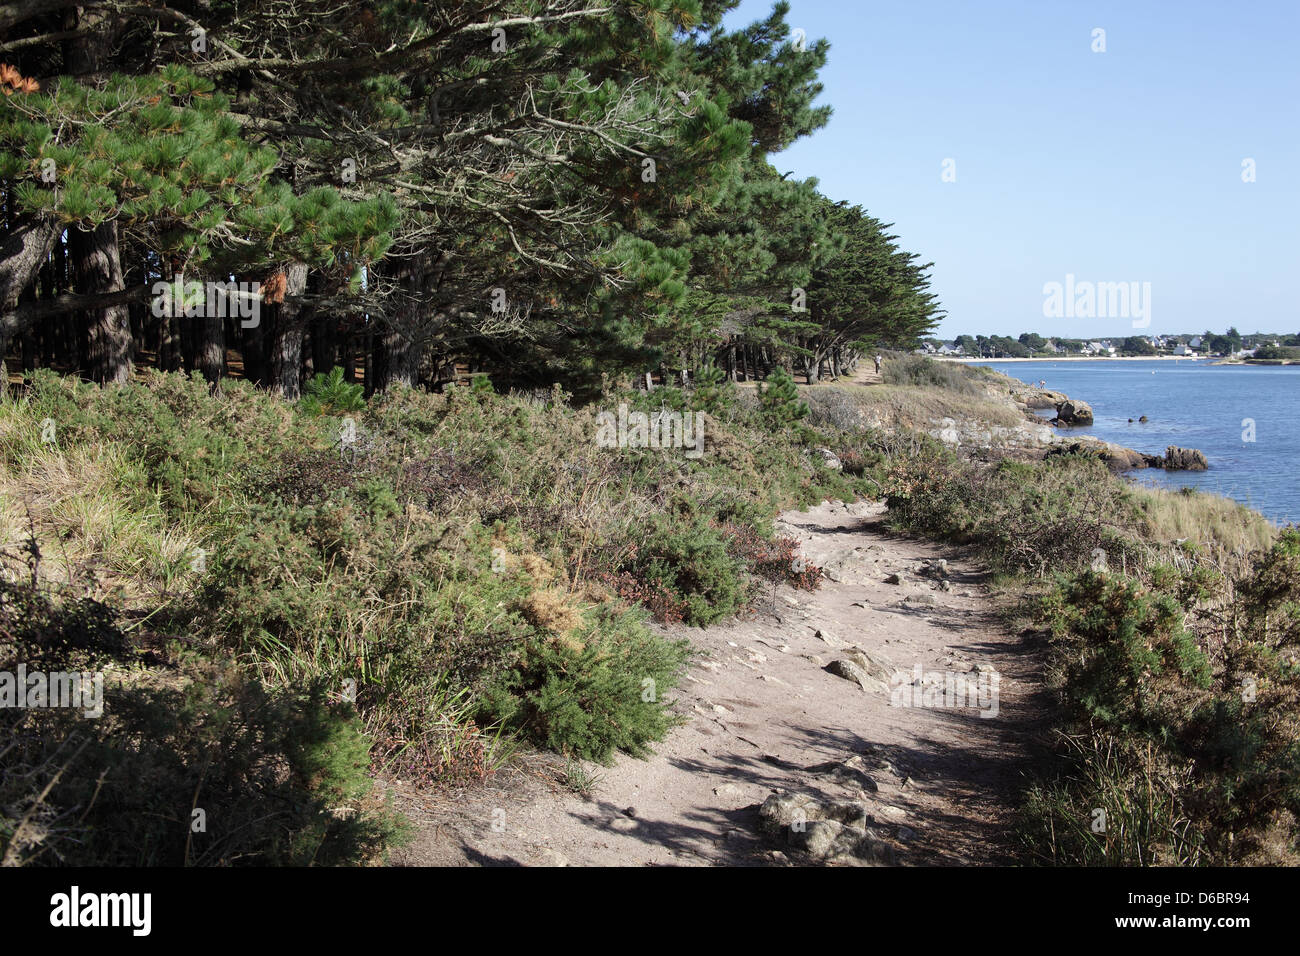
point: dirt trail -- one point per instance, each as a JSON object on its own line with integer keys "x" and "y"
{"x": 937, "y": 784}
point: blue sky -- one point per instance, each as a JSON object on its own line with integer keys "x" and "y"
{"x": 1122, "y": 166}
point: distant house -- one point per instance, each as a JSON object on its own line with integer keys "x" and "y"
{"x": 1195, "y": 342}
{"x": 1099, "y": 348}
{"x": 1185, "y": 349}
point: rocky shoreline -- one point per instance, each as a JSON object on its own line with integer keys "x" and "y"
{"x": 1051, "y": 436}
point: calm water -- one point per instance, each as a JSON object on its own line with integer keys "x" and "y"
{"x": 1195, "y": 405}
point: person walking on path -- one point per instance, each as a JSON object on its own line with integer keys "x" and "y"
{"x": 877, "y": 364}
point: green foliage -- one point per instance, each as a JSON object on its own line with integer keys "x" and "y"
{"x": 1183, "y": 709}
{"x": 327, "y": 394}
{"x": 591, "y": 693}
{"x": 1027, "y": 517}
{"x": 779, "y": 401}
{"x": 1132, "y": 637}
{"x": 1276, "y": 352}
{"x": 691, "y": 560}
{"x": 904, "y": 369}
{"x": 280, "y": 776}
{"x": 713, "y": 392}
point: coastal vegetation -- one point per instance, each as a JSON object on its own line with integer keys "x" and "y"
{"x": 1171, "y": 628}
{"x": 308, "y": 351}
{"x": 474, "y": 576}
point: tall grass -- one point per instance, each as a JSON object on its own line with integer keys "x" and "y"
{"x": 918, "y": 370}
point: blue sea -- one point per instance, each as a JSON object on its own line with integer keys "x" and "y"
{"x": 1196, "y": 405}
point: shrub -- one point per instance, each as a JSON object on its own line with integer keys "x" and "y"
{"x": 690, "y": 558}
{"x": 1183, "y": 716}
{"x": 1025, "y": 516}
{"x": 779, "y": 403}
{"x": 327, "y": 394}
{"x": 280, "y": 776}
{"x": 919, "y": 370}
{"x": 594, "y": 695}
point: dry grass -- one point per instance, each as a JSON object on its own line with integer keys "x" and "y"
{"x": 923, "y": 406}
{"x": 1228, "y": 531}
{"x": 82, "y": 508}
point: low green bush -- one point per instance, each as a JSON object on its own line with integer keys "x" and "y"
{"x": 1182, "y": 717}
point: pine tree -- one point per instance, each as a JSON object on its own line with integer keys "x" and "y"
{"x": 779, "y": 400}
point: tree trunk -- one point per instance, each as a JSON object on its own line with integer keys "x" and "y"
{"x": 397, "y": 352}
{"x": 287, "y": 338}
{"x": 325, "y": 343}
{"x": 25, "y": 249}
{"x": 210, "y": 345}
{"x": 397, "y": 360}
{"x": 252, "y": 346}
{"x": 106, "y": 332}
{"x": 27, "y": 341}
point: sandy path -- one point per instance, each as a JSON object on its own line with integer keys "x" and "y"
{"x": 938, "y": 784}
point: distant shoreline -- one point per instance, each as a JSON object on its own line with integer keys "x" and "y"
{"x": 1079, "y": 358}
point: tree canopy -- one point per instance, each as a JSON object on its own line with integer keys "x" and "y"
{"x": 550, "y": 190}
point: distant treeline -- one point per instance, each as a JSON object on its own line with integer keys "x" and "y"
{"x": 1029, "y": 344}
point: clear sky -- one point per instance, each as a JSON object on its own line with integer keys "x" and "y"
{"x": 1122, "y": 166}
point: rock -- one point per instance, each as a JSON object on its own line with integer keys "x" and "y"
{"x": 1143, "y": 419}
{"x": 553, "y": 858}
{"x": 828, "y": 840}
{"x": 829, "y": 459}
{"x": 893, "y": 579}
{"x": 873, "y": 665}
{"x": 1119, "y": 458}
{"x": 923, "y": 598}
{"x": 856, "y": 673}
{"x": 728, "y": 790}
{"x": 830, "y": 640}
{"x": 851, "y": 773}
{"x": 1073, "y": 412}
{"x": 781, "y": 811}
{"x": 1184, "y": 459}
{"x": 784, "y": 811}
{"x": 818, "y": 838}
{"x": 1116, "y": 457}
{"x": 937, "y": 569}
{"x": 866, "y": 670}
